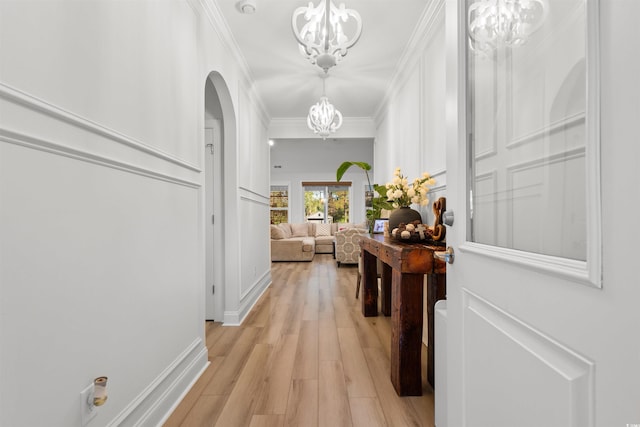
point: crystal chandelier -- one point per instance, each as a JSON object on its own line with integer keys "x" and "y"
{"x": 324, "y": 119}
{"x": 495, "y": 23}
{"x": 322, "y": 38}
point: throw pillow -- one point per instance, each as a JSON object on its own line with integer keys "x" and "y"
{"x": 300, "y": 230}
{"x": 286, "y": 229}
{"x": 276, "y": 232}
{"x": 323, "y": 229}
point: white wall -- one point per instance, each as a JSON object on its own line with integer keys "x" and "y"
{"x": 101, "y": 246}
{"x": 411, "y": 127}
{"x": 317, "y": 160}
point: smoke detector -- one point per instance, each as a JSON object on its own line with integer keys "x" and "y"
{"x": 247, "y": 6}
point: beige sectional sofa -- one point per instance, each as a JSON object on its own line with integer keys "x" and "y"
{"x": 300, "y": 242}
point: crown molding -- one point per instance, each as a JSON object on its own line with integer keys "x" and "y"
{"x": 296, "y": 128}
{"x": 221, "y": 28}
{"x": 413, "y": 52}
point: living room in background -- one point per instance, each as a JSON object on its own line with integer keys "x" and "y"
{"x": 279, "y": 204}
{"x": 326, "y": 202}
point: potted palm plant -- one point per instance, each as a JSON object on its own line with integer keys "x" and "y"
{"x": 379, "y": 192}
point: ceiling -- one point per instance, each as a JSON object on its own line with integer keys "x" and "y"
{"x": 288, "y": 84}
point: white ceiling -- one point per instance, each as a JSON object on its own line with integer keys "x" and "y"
{"x": 288, "y": 84}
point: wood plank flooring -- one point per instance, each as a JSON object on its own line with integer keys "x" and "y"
{"x": 305, "y": 356}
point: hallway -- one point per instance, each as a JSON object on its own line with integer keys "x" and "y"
{"x": 305, "y": 356}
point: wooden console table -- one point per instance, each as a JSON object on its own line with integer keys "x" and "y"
{"x": 403, "y": 269}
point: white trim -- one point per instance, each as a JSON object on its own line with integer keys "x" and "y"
{"x": 563, "y": 268}
{"x": 36, "y": 104}
{"x": 221, "y": 28}
{"x": 552, "y": 127}
{"x": 413, "y": 52}
{"x": 81, "y": 155}
{"x": 575, "y": 369}
{"x": 235, "y": 318}
{"x": 186, "y": 391}
{"x": 149, "y": 408}
{"x": 260, "y": 198}
{"x": 593, "y": 146}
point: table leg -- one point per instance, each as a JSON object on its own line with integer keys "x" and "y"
{"x": 406, "y": 333}
{"x": 369, "y": 284}
{"x": 385, "y": 289}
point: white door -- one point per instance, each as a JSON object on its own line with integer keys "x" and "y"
{"x": 214, "y": 288}
{"x": 542, "y": 297}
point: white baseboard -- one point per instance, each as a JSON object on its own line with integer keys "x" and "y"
{"x": 154, "y": 405}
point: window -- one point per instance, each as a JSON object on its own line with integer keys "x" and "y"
{"x": 279, "y": 204}
{"x": 326, "y": 202}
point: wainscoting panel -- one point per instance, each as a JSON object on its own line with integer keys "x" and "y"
{"x": 32, "y": 122}
{"x": 485, "y": 217}
{"x": 559, "y": 230}
{"x": 511, "y": 361}
{"x": 101, "y": 242}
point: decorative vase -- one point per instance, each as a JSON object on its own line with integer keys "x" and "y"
{"x": 403, "y": 214}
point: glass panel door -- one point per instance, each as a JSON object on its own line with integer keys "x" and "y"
{"x": 527, "y": 102}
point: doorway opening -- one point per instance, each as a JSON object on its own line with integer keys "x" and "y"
{"x": 219, "y": 130}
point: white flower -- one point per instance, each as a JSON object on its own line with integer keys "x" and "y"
{"x": 401, "y": 193}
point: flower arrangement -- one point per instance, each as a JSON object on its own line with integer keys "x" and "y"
{"x": 403, "y": 194}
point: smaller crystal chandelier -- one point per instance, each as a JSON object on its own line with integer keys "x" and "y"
{"x": 495, "y": 23}
{"x": 324, "y": 119}
{"x": 322, "y": 38}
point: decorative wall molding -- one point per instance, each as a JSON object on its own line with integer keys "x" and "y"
{"x": 435, "y": 175}
{"x": 492, "y": 150}
{"x": 491, "y": 176}
{"x": 35, "y": 104}
{"x": 546, "y": 354}
{"x": 563, "y": 268}
{"x": 61, "y": 150}
{"x": 553, "y": 127}
{"x": 247, "y": 300}
{"x": 546, "y": 160}
{"x": 250, "y": 195}
{"x": 149, "y": 408}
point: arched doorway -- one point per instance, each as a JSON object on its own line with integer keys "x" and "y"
{"x": 219, "y": 130}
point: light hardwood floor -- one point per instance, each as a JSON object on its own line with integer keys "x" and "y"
{"x": 305, "y": 356}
